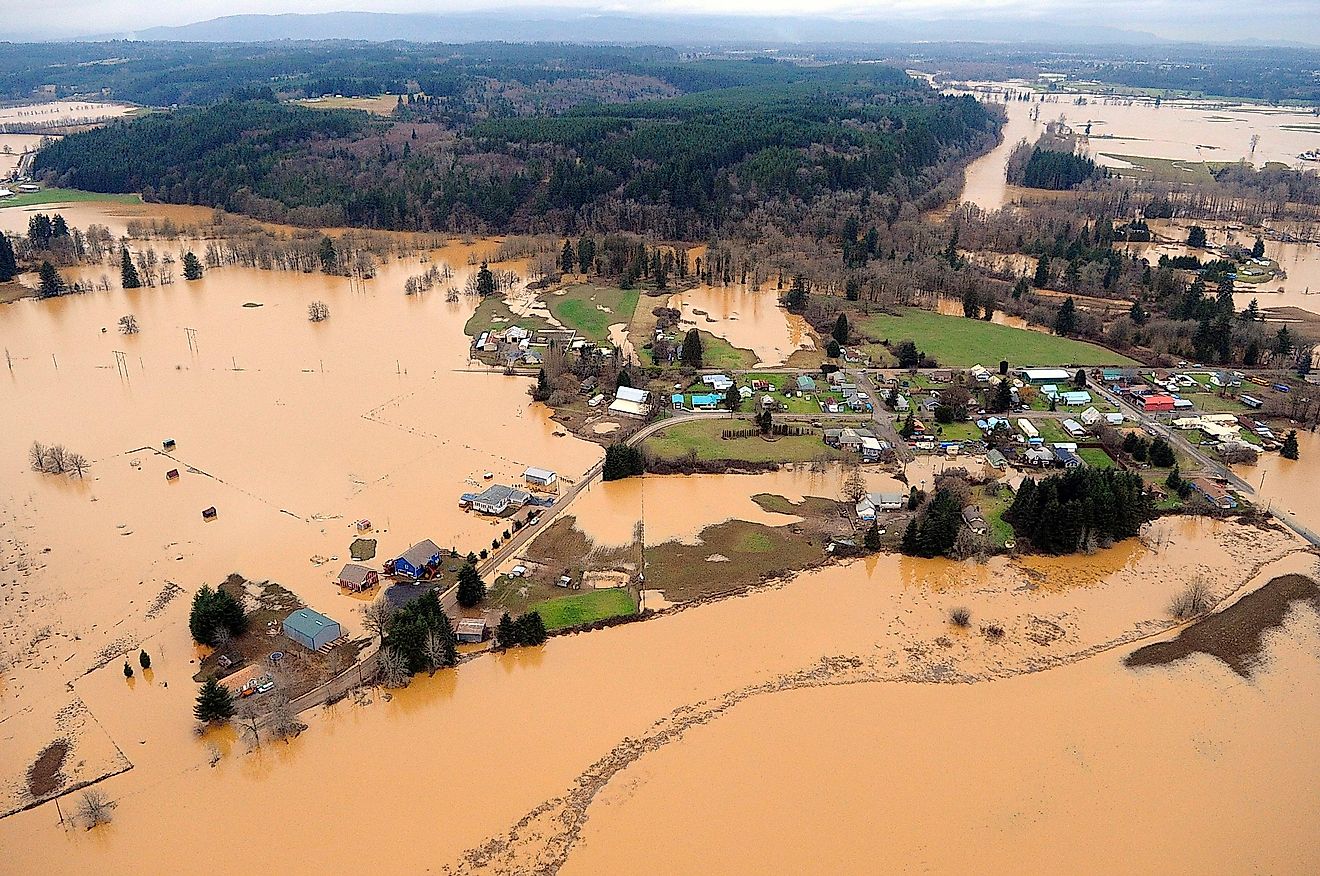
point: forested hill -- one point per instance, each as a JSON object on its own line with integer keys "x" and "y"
{"x": 776, "y": 138}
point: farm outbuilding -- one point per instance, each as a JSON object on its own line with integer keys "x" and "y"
{"x": 358, "y": 578}
{"x": 471, "y": 630}
{"x": 541, "y": 478}
{"x": 311, "y": 629}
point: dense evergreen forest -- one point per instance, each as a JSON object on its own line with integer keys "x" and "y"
{"x": 751, "y": 136}
{"x": 1080, "y": 510}
{"x": 1051, "y": 169}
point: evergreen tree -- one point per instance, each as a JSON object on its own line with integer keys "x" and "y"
{"x": 411, "y": 628}
{"x": 871, "y": 541}
{"x": 128, "y": 670}
{"x": 128, "y": 275}
{"x": 732, "y": 398}
{"x": 1283, "y": 343}
{"x": 58, "y": 227}
{"x": 624, "y": 379}
{"x": 1196, "y": 237}
{"x": 909, "y": 543}
{"x": 832, "y": 349}
{"x": 328, "y": 256}
{"x": 840, "y": 332}
{"x": 622, "y": 461}
{"x": 567, "y": 258}
{"x": 50, "y": 282}
{"x": 1289, "y": 449}
{"x": 8, "y": 264}
{"x": 796, "y": 299}
{"x": 144, "y": 659}
{"x": 909, "y": 426}
{"x": 1251, "y": 313}
{"x": 1042, "y": 278}
{"x": 506, "y": 634}
{"x": 971, "y": 304}
{"x": 1003, "y": 398}
{"x": 1065, "y": 321}
{"x": 1138, "y": 313}
{"x": 213, "y": 703}
{"x": 531, "y": 629}
{"x": 1130, "y": 441}
{"x": 1020, "y": 288}
{"x": 1258, "y": 248}
{"x": 691, "y": 353}
{"x": 586, "y": 253}
{"x": 1080, "y": 378}
{"x": 192, "y": 267}
{"x": 1161, "y": 454}
{"x": 471, "y": 589}
{"x": 214, "y": 611}
{"x": 485, "y": 281}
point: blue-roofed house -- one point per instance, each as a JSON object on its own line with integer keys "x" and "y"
{"x": 1067, "y": 458}
{"x": 677, "y": 401}
{"x": 311, "y": 629}
{"x": 706, "y": 401}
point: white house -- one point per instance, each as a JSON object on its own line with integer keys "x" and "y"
{"x": 498, "y": 498}
{"x": 631, "y": 402}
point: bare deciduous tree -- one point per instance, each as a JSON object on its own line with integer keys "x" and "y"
{"x": 128, "y": 324}
{"x": 94, "y": 808}
{"x": 78, "y": 464}
{"x": 376, "y": 616}
{"x": 854, "y": 484}
{"x": 318, "y": 311}
{"x": 57, "y": 459}
{"x": 392, "y": 670}
{"x": 37, "y": 456}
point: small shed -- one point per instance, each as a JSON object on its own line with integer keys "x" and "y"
{"x": 541, "y": 478}
{"x": 311, "y": 629}
{"x": 471, "y": 630}
{"x": 358, "y": 578}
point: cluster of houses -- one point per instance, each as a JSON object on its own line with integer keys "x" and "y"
{"x": 515, "y": 344}
{"x": 861, "y": 441}
{"x": 498, "y": 499}
{"x": 1221, "y": 429}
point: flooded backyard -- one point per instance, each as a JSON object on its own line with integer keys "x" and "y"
{"x": 747, "y": 318}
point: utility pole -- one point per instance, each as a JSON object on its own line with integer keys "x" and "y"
{"x": 192, "y": 338}
{"x": 121, "y": 363}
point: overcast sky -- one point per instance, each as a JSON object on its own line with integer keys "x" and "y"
{"x": 1286, "y": 20}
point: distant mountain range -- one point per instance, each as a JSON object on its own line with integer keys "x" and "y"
{"x": 580, "y": 26}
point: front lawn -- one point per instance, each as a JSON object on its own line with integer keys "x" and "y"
{"x": 704, "y": 437}
{"x": 493, "y": 313}
{"x": 955, "y": 341}
{"x": 585, "y": 608}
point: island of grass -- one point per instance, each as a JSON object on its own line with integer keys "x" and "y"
{"x": 956, "y": 341}
{"x": 66, "y": 196}
{"x": 494, "y": 313}
{"x": 590, "y": 309}
{"x": 715, "y": 353}
{"x": 703, "y": 441}
{"x": 586, "y": 608}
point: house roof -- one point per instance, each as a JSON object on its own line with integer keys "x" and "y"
{"x": 471, "y": 626}
{"x": 540, "y": 474}
{"x": 887, "y": 498}
{"x": 628, "y": 393}
{"x": 420, "y": 554}
{"x": 355, "y": 574}
{"x": 1045, "y": 374}
{"x": 308, "y": 622}
{"x": 624, "y": 406}
{"x": 972, "y": 514}
{"x": 497, "y": 493}
{"x": 805, "y": 381}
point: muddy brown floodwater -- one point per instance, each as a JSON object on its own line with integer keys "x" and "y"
{"x": 836, "y": 722}
{"x": 747, "y": 318}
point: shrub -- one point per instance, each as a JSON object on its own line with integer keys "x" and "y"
{"x": 1194, "y": 600}
{"x": 960, "y": 617}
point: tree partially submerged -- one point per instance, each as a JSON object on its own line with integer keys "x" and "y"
{"x": 214, "y": 703}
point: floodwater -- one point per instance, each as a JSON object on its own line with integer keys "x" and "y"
{"x": 1300, "y": 261}
{"x": 747, "y": 318}
{"x": 1289, "y": 483}
{"x": 1187, "y": 130}
{"x": 732, "y": 682}
{"x": 293, "y": 430}
{"x": 61, "y": 112}
{"x": 12, "y": 149}
{"x": 1011, "y": 754}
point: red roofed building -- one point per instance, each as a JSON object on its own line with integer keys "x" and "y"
{"x": 1157, "y": 404}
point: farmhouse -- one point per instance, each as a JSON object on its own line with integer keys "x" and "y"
{"x": 1073, "y": 428}
{"x": 1217, "y": 494}
{"x": 1076, "y": 398}
{"x": 311, "y": 629}
{"x": 1157, "y": 404}
{"x": 413, "y": 561}
{"x": 1067, "y": 457}
{"x": 498, "y": 498}
{"x": 874, "y": 502}
{"x": 706, "y": 401}
{"x": 806, "y": 383}
{"x": 1038, "y": 456}
{"x": 358, "y": 578}
{"x": 975, "y": 520}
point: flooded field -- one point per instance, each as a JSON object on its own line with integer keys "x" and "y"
{"x": 61, "y": 112}
{"x": 746, "y": 318}
{"x": 849, "y": 681}
{"x": 292, "y": 430}
{"x": 1186, "y": 130}
{"x": 736, "y": 677}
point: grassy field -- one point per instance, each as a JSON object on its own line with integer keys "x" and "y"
{"x": 380, "y": 105}
{"x": 1050, "y": 430}
{"x": 956, "y": 341}
{"x": 585, "y": 608}
{"x": 993, "y": 507}
{"x": 1095, "y": 457}
{"x": 579, "y": 307}
{"x": 958, "y": 432}
{"x": 750, "y": 552}
{"x": 807, "y": 404}
{"x": 1162, "y": 169}
{"x": 703, "y": 436}
{"x": 494, "y": 313}
{"x": 719, "y": 353}
{"x": 66, "y": 196}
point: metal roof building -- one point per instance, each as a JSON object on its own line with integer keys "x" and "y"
{"x": 311, "y": 629}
